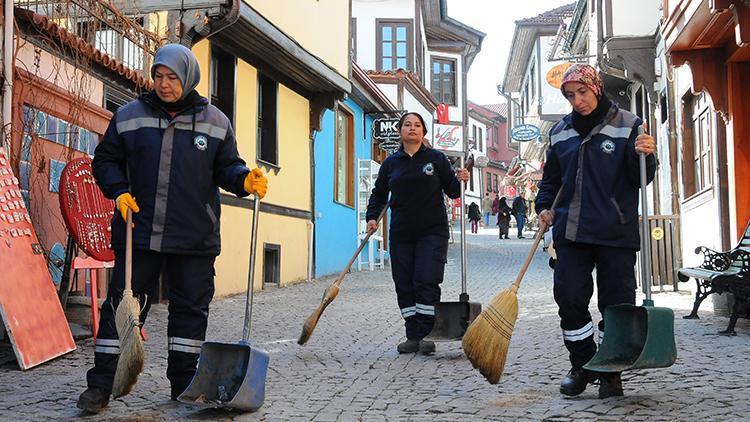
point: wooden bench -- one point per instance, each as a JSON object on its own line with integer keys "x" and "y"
{"x": 722, "y": 272}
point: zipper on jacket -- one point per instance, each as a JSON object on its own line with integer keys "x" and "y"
{"x": 617, "y": 208}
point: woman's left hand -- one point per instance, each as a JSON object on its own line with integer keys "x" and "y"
{"x": 463, "y": 175}
{"x": 645, "y": 143}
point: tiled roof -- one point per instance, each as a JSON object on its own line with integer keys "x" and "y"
{"x": 81, "y": 46}
{"x": 501, "y": 109}
{"x": 556, "y": 15}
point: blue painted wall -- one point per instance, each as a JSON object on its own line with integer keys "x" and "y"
{"x": 336, "y": 224}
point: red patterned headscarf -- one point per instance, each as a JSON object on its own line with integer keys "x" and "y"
{"x": 585, "y": 74}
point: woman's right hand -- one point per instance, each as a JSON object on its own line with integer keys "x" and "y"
{"x": 547, "y": 217}
{"x": 372, "y": 226}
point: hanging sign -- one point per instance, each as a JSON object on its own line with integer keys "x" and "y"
{"x": 555, "y": 74}
{"x": 385, "y": 129}
{"x": 525, "y": 133}
{"x": 448, "y": 137}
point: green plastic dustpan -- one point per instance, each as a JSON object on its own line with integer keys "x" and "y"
{"x": 637, "y": 336}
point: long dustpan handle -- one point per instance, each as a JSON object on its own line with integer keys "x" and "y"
{"x": 129, "y": 251}
{"x": 645, "y": 240}
{"x": 464, "y": 296}
{"x": 251, "y": 275}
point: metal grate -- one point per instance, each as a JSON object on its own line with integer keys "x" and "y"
{"x": 666, "y": 252}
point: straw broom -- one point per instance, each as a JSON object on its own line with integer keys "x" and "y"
{"x": 487, "y": 339}
{"x": 332, "y": 291}
{"x": 130, "y": 361}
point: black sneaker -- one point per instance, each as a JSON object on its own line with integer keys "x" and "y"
{"x": 426, "y": 347}
{"x": 576, "y": 381}
{"x": 610, "y": 385}
{"x": 93, "y": 400}
{"x": 409, "y": 346}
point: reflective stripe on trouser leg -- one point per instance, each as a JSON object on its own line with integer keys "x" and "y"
{"x": 573, "y": 288}
{"x": 191, "y": 288}
{"x": 429, "y": 265}
{"x": 146, "y": 269}
{"x": 402, "y": 268}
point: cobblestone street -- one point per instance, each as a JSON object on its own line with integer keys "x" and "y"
{"x": 350, "y": 369}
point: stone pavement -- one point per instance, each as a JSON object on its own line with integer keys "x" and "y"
{"x": 350, "y": 369}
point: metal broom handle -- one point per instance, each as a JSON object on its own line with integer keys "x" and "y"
{"x": 645, "y": 243}
{"x": 251, "y": 275}
{"x": 463, "y": 235}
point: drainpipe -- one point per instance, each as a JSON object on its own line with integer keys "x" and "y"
{"x": 7, "y": 88}
{"x": 602, "y": 61}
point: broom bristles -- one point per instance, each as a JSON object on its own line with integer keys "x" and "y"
{"x": 131, "y": 359}
{"x": 487, "y": 339}
{"x": 312, "y": 321}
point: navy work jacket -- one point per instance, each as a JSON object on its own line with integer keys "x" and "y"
{"x": 173, "y": 168}
{"x": 416, "y": 184}
{"x": 599, "y": 176}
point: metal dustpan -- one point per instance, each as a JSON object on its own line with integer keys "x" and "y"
{"x": 453, "y": 318}
{"x": 637, "y": 336}
{"x": 229, "y": 375}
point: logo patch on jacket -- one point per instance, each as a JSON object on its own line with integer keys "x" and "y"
{"x": 200, "y": 142}
{"x": 428, "y": 169}
{"x": 608, "y": 146}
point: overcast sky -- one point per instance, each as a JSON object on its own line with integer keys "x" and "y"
{"x": 496, "y": 19}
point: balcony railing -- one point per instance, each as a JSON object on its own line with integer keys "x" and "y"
{"x": 103, "y": 26}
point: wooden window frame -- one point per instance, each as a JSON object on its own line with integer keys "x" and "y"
{"x": 266, "y": 117}
{"x": 437, "y": 92}
{"x": 379, "y": 24}
{"x": 223, "y": 74}
{"x": 694, "y": 156}
{"x": 350, "y": 157}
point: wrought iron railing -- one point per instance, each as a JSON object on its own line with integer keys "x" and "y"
{"x": 103, "y": 26}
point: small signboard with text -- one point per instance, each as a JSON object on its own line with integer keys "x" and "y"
{"x": 525, "y": 133}
{"x": 386, "y": 131}
{"x": 448, "y": 137}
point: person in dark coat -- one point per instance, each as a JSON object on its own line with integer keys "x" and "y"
{"x": 503, "y": 217}
{"x": 474, "y": 216}
{"x": 164, "y": 157}
{"x": 416, "y": 176}
{"x": 593, "y": 164}
{"x": 519, "y": 212}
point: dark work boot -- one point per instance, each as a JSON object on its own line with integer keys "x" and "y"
{"x": 426, "y": 347}
{"x": 576, "y": 381}
{"x": 409, "y": 346}
{"x": 610, "y": 385}
{"x": 93, "y": 400}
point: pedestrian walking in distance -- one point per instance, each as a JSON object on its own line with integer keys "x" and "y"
{"x": 474, "y": 216}
{"x": 163, "y": 157}
{"x": 503, "y": 218}
{"x": 487, "y": 209}
{"x": 519, "y": 212}
{"x": 416, "y": 177}
{"x": 593, "y": 162}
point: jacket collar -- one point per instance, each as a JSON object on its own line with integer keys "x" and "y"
{"x": 401, "y": 153}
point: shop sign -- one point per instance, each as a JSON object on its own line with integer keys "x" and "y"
{"x": 525, "y": 133}
{"x": 448, "y": 137}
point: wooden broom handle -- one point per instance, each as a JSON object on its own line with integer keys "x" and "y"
{"x": 537, "y": 238}
{"x": 542, "y": 229}
{"x": 340, "y": 278}
{"x": 129, "y": 251}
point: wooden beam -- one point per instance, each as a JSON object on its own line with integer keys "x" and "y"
{"x": 138, "y": 7}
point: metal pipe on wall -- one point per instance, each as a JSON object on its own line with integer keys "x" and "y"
{"x": 7, "y": 73}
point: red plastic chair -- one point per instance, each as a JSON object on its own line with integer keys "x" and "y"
{"x": 87, "y": 214}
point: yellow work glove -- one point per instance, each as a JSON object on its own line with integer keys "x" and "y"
{"x": 256, "y": 183}
{"x": 125, "y": 201}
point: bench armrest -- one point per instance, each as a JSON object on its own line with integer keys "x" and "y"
{"x": 714, "y": 260}
{"x": 743, "y": 258}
